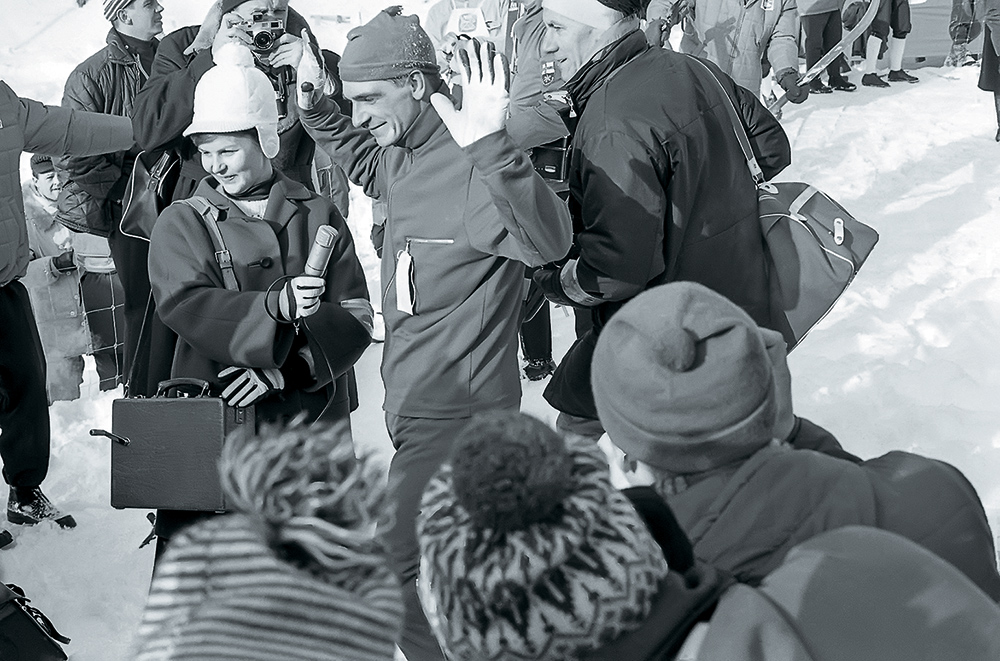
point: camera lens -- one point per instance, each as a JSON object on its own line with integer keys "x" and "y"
{"x": 263, "y": 41}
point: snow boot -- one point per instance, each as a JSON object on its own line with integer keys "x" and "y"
{"x": 6, "y": 539}
{"x": 28, "y": 505}
{"x": 537, "y": 369}
{"x": 817, "y": 86}
{"x": 842, "y": 84}
{"x": 956, "y": 56}
{"x": 873, "y": 80}
{"x": 900, "y": 76}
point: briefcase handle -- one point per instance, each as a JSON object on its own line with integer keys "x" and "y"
{"x": 183, "y": 383}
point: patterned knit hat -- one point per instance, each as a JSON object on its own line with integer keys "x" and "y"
{"x": 388, "y": 46}
{"x": 111, "y": 7}
{"x": 527, "y": 551}
{"x": 40, "y": 164}
{"x": 682, "y": 380}
{"x": 295, "y": 574}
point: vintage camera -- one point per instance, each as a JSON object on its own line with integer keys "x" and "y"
{"x": 265, "y": 31}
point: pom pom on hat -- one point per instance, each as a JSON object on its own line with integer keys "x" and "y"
{"x": 297, "y": 572}
{"x": 682, "y": 380}
{"x": 235, "y": 96}
{"x": 388, "y": 46}
{"x": 563, "y": 579}
{"x": 510, "y": 472}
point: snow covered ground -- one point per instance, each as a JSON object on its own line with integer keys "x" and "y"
{"x": 909, "y": 359}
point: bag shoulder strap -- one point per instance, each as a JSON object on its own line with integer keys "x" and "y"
{"x": 209, "y": 213}
{"x": 738, "y": 128}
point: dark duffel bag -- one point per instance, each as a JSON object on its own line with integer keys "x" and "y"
{"x": 26, "y": 634}
{"x": 165, "y": 450}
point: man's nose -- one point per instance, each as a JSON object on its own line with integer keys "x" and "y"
{"x": 359, "y": 117}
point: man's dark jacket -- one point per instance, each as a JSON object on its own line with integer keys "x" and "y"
{"x": 660, "y": 189}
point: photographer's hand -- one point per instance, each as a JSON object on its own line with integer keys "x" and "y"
{"x": 288, "y": 52}
{"x": 483, "y": 76}
{"x": 233, "y": 30}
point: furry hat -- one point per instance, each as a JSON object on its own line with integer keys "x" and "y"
{"x": 527, "y": 551}
{"x": 388, "y": 46}
{"x": 682, "y": 380}
{"x": 296, "y": 573}
{"x": 235, "y": 96}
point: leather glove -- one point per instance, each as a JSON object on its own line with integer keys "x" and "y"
{"x": 482, "y": 75}
{"x": 551, "y": 286}
{"x": 64, "y": 262}
{"x": 250, "y": 385}
{"x": 794, "y": 92}
{"x": 300, "y": 297}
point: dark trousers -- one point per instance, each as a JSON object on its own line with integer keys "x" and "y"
{"x": 24, "y": 407}
{"x": 536, "y": 334}
{"x": 422, "y": 445}
{"x": 103, "y": 300}
{"x": 823, "y": 32}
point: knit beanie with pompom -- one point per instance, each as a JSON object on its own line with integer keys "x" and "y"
{"x": 388, "y": 46}
{"x": 527, "y": 551}
{"x": 235, "y": 96}
{"x": 682, "y": 380}
{"x": 296, "y": 573}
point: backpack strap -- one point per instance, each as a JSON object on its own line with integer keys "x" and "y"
{"x": 209, "y": 213}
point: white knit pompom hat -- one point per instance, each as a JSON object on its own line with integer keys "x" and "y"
{"x": 235, "y": 96}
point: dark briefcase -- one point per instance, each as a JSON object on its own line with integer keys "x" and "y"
{"x": 165, "y": 451}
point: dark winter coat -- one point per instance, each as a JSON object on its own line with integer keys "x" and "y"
{"x": 467, "y": 220}
{"x": 745, "y": 518}
{"x": 855, "y": 594}
{"x": 218, "y": 328}
{"x": 165, "y": 107}
{"x": 660, "y": 189}
{"x": 27, "y": 125}
{"x": 106, "y": 82}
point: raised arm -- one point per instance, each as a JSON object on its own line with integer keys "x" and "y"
{"x": 353, "y": 149}
{"x": 58, "y": 131}
{"x": 164, "y": 106}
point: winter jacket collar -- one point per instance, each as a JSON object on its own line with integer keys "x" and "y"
{"x": 282, "y": 203}
{"x": 424, "y": 127}
{"x": 119, "y": 52}
{"x": 604, "y": 65}
{"x": 687, "y": 596}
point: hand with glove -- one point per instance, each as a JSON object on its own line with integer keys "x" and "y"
{"x": 547, "y": 280}
{"x": 63, "y": 263}
{"x": 309, "y": 76}
{"x": 483, "y": 77}
{"x": 300, "y": 297}
{"x": 789, "y": 81}
{"x": 250, "y": 385}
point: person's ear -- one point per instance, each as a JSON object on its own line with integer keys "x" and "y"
{"x": 418, "y": 85}
{"x": 123, "y": 17}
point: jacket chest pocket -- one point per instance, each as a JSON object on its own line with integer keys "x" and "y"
{"x": 417, "y": 256}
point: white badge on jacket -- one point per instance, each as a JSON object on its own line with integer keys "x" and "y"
{"x": 469, "y": 21}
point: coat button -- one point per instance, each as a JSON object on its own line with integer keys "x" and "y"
{"x": 266, "y": 263}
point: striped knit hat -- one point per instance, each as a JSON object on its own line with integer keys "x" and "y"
{"x": 527, "y": 551}
{"x": 296, "y": 574}
{"x": 111, "y": 7}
